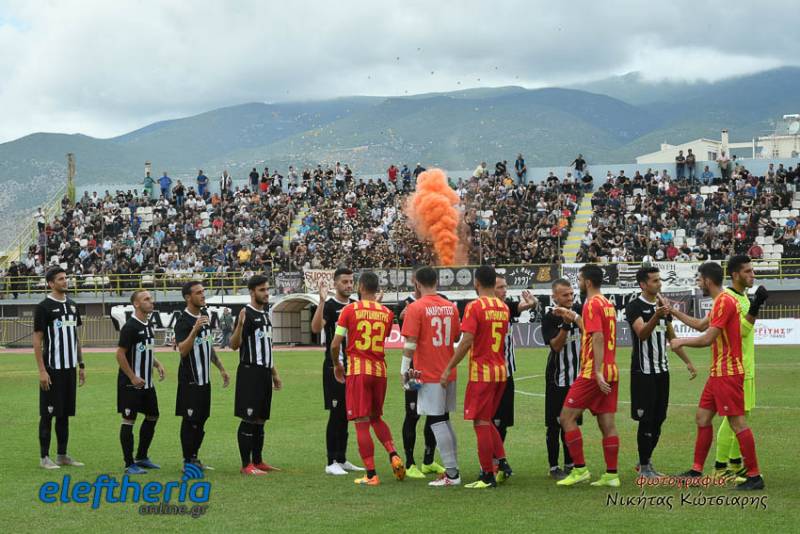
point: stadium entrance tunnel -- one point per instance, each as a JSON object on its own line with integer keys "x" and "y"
{"x": 291, "y": 318}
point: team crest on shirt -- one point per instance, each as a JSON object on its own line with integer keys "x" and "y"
{"x": 189, "y": 412}
{"x": 58, "y": 323}
{"x": 259, "y": 334}
{"x": 140, "y": 347}
{"x": 249, "y": 411}
{"x": 49, "y": 409}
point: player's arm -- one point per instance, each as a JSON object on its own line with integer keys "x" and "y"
{"x": 162, "y": 371}
{"x": 125, "y": 367}
{"x": 598, "y": 348}
{"x": 759, "y": 298}
{"x": 559, "y": 339}
{"x": 462, "y": 349}
{"x": 681, "y": 353}
{"x": 218, "y": 364}
{"x": 528, "y": 301}
{"x": 701, "y": 325}
{"x": 236, "y": 337}
{"x": 277, "y": 383}
{"x": 187, "y": 338}
{"x": 705, "y": 340}
{"x": 644, "y": 329}
{"x": 318, "y": 321}
{"x": 336, "y": 347}
{"x": 81, "y": 370}
{"x": 39, "y": 324}
{"x": 409, "y": 347}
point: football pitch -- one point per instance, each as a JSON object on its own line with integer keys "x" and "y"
{"x": 302, "y": 498}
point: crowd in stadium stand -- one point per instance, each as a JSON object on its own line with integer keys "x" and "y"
{"x": 172, "y": 229}
{"x": 656, "y": 216}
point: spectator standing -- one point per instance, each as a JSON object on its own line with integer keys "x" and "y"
{"x": 254, "y": 180}
{"x": 680, "y": 165}
{"x": 690, "y": 163}
{"x": 522, "y": 170}
{"x": 180, "y": 194}
{"x": 165, "y": 182}
{"x": 40, "y": 220}
{"x": 226, "y": 324}
{"x": 391, "y": 172}
{"x": 724, "y": 163}
{"x": 149, "y": 182}
{"x": 225, "y": 184}
{"x": 202, "y": 184}
{"x": 580, "y": 166}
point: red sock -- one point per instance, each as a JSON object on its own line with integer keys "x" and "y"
{"x": 365, "y": 446}
{"x": 383, "y": 433}
{"x": 747, "y": 444}
{"x": 611, "y": 451}
{"x": 701, "y": 447}
{"x": 574, "y": 440}
{"x": 499, "y": 450}
{"x": 485, "y": 447}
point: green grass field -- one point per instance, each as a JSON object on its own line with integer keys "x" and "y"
{"x": 302, "y": 498}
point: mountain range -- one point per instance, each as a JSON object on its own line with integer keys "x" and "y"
{"x": 611, "y": 120}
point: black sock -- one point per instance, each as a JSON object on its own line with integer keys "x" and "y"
{"x": 45, "y": 429}
{"x": 331, "y": 437}
{"x": 146, "y": 433}
{"x": 187, "y": 439}
{"x": 245, "y": 439}
{"x": 430, "y": 442}
{"x": 258, "y": 442}
{"x": 62, "y": 434}
{"x": 502, "y": 429}
{"x": 552, "y": 445}
{"x": 126, "y": 440}
{"x": 199, "y": 434}
{"x": 654, "y": 438}
{"x": 340, "y": 434}
{"x": 371, "y": 473}
{"x": 644, "y": 438}
{"x": 720, "y": 465}
{"x": 735, "y": 461}
{"x": 567, "y": 455}
{"x": 410, "y": 436}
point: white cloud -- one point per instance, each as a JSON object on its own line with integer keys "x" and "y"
{"x": 103, "y": 68}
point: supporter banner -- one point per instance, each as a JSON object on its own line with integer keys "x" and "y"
{"x": 522, "y": 277}
{"x": 313, "y": 278}
{"x": 287, "y": 283}
{"x": 462, "y": 278}
{"x": 610, "y": 273}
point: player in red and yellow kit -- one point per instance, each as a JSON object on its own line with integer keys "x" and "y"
{"x": 366, "y": 324}
{"x": 597, "y": 385}
{"x": 483, "y": 329}
{"x": 431, "y": 327}
{"x": 724, "y": 389}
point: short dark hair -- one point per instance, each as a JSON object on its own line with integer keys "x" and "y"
{"x": 52, "y": 273}
{"x": 136, "y": 294}
{"x": 486, "y": 276}
{"x": 426, "y": 276}
{"x": 369, "y": 281}
{"x": 712, "y": 271}
{"x": 643, "y": 274}
{"x": 186, "y": 289}
{"x": 340, "y": 271}
{"x": 256, "y": 280}
{"x": 560, "y": 282}
{"x": 593, "y": 273}
{"x": 736, "y": 263}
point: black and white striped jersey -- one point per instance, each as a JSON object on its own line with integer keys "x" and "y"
{"x": 58, "y": 320}
{"x": 139, "y": 340}
{"x": 256, "y": 347}
{"x": 196, "y": 367}
{"x": 511, "y": 359}
{"x": 648, "y": 356}
{"x": 330, "y": 313}
{"x": 563, "y": 366}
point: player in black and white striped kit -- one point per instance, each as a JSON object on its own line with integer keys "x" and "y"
{"x": 651, "y": 330}
{"x": 504, "y": 417}
{"x": 136, "y": 392}
{"x": 195, "y": 340}
{"x": 58, "y": 354}
{"x": 561, "y": 331}
{"x": 255, "y": 377}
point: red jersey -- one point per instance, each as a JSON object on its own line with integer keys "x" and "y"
{"x": 726, "y": 351}
{"x": 487, "y": 319}
{"x": 366, "y": 324}
{"x": 433, "y": 321}
{"x": 599, "y": 315}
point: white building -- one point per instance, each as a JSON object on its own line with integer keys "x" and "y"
{"x": 783, "y": 143}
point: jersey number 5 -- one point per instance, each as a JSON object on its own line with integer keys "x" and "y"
{"x": 497, "y": 335}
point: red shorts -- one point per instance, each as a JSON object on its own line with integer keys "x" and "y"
{"x": 585, "y": 394}
{"x": 482, "y": 400}
{"x": 364, "y": 395}
{"x": 724, "y": 395}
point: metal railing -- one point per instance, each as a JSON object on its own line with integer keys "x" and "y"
{"x": 30, "y": 231}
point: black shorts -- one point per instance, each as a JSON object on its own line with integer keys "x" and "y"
{"x": 193, "y": 401}
{"x": 411, "y": 403}
{"x": 649, "y": 396}
{"x": 333, "y": 391}
{"x": 554, "y": 397}
{"x": 131, "y": 400}
{"x": 505, "y": 412}
{"x": 59, "y": 400}
{"x": 253, "y": 392}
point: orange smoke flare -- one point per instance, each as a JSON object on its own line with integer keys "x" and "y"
{"x": 433, "y": 214}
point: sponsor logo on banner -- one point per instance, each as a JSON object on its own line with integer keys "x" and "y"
{"x": 766, "y": 331}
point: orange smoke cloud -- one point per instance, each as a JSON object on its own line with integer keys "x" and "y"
{"x": 434, "y": 216}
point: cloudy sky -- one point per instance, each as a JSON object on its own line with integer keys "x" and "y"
{"x": 104, "y": 68}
